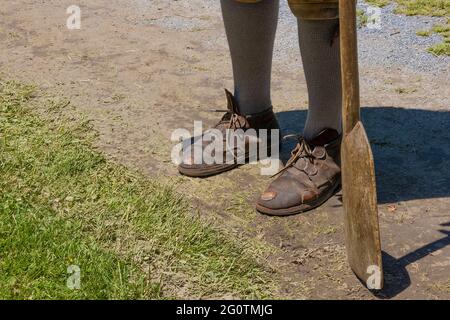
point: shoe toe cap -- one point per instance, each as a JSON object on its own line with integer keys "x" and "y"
{"x": 268, "y": 195}
{"x": 285, "y": 193}
{"x": 278, "y": 200}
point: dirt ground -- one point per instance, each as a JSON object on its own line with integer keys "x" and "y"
{"x": 138, "y": 76}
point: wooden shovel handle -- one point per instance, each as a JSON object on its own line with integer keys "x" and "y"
{"x": 349, "y": 65}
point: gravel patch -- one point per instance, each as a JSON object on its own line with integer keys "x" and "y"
{"x": 395, "y": 45}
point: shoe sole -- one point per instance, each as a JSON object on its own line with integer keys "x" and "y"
{"x": 213, "y": 171}
{"x": 204, "y": 173}
{"x": 300, "y": 208}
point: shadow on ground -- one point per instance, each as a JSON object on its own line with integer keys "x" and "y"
{"x": 412, "y": 158}
{"x": 396, "y": 276}
{"x": 411, "y": 149}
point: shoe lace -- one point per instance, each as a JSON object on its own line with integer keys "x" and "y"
{"x": 231, "y": 119}
{"x": 302, "y": 150}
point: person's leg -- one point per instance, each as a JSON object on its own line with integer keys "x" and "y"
{"x": 312, "y": 175}
{"x": 250, "y": 27}
{"x": 321, "y": 63}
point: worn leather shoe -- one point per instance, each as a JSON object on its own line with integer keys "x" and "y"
{"x": 311, "y": 176}
{"x": 231, "y": 157}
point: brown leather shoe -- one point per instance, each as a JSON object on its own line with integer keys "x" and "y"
{"x": 231, "y": 157}
{"x": 310, "y": 177}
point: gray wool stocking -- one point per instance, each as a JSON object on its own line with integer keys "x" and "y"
{"x": 321, "y": 62}
{"x": 250, "y": 30}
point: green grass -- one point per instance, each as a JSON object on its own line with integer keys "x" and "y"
{"x": 442, "y": 48}
{"x": 435, "y": 8}
{"x": 424, "y": 33}
{"x": 362, "y": 18}
{"x": 378, "y": 3}
{"x": 62, "y": 203}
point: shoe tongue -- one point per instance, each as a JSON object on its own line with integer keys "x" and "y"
{"x": 232, "y": 104}
{"x": 324, "y": 137}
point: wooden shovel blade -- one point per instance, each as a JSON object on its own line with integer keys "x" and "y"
{"x": 360, "y": 208}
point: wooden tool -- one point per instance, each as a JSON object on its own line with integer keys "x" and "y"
{"x": 358, "y": 172}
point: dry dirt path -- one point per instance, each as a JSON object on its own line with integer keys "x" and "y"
{"x": 140, "y": 69}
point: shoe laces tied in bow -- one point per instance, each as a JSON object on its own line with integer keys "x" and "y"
{"x": 302, "y": 150}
